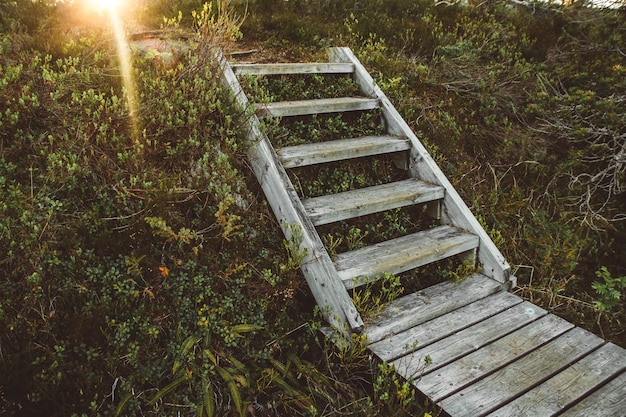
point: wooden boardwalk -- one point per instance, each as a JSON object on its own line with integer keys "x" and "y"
{"x": 471, "y": 347}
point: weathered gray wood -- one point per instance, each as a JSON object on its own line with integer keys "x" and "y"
{"x": 338, "y": 150}
{"x": 364, "y": 265}
{"x": 432, "y": 331}
{"x": 350, "y": 204}
{"x": 462, "y": 372}
{"x": 568, "y": 386}
{"x": 316, "y": 106}
{"x": 294, "y": 68}
{"x": 317, "y": 267}
{"x": 608, "y": 401}
{"x": 467, "y": 340}
{"x": 419, "y": 307}
{"x": 424, "y": 167}
{"x": 513, "y": 380}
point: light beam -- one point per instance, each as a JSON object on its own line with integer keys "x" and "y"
{"x": 125, "y": 61}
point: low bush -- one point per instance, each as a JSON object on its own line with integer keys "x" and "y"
{"x": 144, "y": 273}
{"x": 135, "y": 265}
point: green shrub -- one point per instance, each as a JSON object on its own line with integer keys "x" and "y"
{"x": 122, "y": 248}
{"x": 609, "y": 290}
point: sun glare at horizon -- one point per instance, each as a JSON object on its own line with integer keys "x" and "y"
{"x": 106, "y": 4}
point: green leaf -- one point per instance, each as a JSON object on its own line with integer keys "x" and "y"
{"x": 184, "y": 348}
{"x": 234, "y": 390}
{"x": 167, "y": 389}
{"x": 122, "y": 405}
{"x": 246, "y": 328}
{"x": 208, "y": 401}
{"x": 211, "y": 356}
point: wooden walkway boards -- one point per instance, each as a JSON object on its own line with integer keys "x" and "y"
{"x": 494, "y": 354}
{"x": 471, "y": 347}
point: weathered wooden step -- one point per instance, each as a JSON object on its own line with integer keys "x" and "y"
{"x": 463, "y": 342}
{"x": 339, "y": 150}
{"x": 476, "y": 365}
{"x": 500, "y": 387}
{"x": 350, "y": 204}
{"x": 608, "y": 401}
{"x": 567, "y": 387}
{"x": 294, "y": 68}
{"x": 359, "y": 266}
{"x": 420, "y": 307}
{"x": 422, "y": 335}
{"x": 317, "y": 106}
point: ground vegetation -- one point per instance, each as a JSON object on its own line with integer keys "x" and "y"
{"x": 143, "y": 272}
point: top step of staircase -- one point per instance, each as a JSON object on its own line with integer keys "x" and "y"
{"x": 296, "y": 68}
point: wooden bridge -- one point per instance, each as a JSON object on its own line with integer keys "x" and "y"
{"x": 472, "y": 347}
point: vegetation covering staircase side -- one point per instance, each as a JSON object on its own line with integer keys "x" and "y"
{"x": 458, "y": 233}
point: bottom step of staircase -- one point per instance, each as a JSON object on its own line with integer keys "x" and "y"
{"x": 475, "y": 350}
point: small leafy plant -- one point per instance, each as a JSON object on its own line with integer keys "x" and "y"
{"x": 609, "y": 290}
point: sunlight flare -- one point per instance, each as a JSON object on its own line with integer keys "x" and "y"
{"x": 106, "y": 4}
{"x": 125, "y": 62}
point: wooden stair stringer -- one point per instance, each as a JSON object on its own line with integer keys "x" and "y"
{"x": 317, "y": 267}
{"x": 422, "y": 166}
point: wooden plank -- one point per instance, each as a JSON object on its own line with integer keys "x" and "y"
{"x": 464, "y": 371}
{"x": 513, "y": 380}
{"x": 316, "y": 106}
{"x": 329, "y": 293}
{"x": 441, "y": 327}
{"x": 427, "y": 304}
{"x": 568, "y": 386}
{"x": 338, "y": 150}
{"x": 294, "y": 68}
{"x": 350, "y": 204}
{"x": 359, "y": 266}
{"x": 608, "y": 401}
{"x": 424, "y": 167}
{"x": 467, "y": 340}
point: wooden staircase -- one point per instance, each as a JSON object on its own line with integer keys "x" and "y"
{"x": 471, "y": 347}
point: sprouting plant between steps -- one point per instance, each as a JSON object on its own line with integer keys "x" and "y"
{"x": 371, "y": 297}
